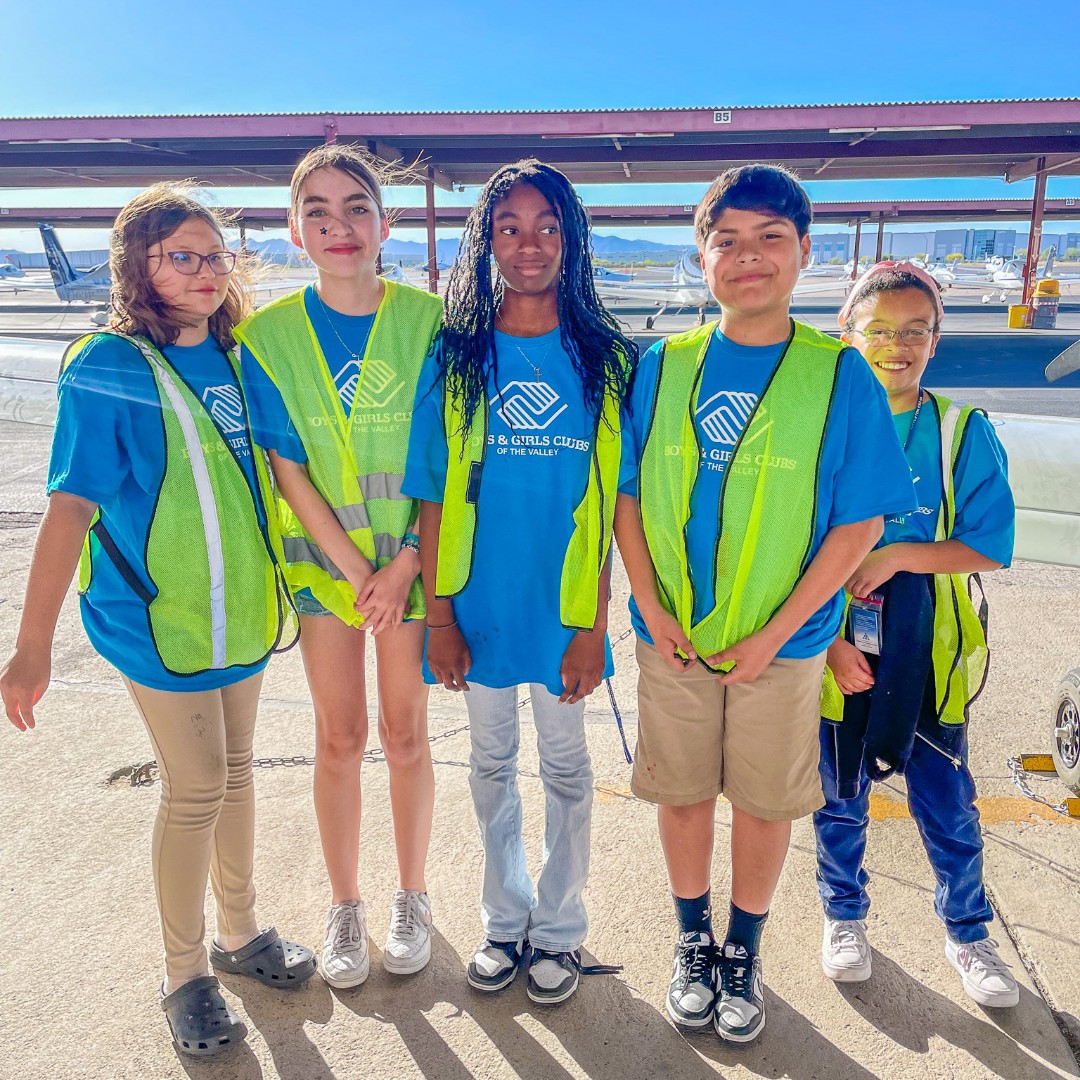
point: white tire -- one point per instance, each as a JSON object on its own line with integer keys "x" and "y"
{"x": 1066, "y": 745}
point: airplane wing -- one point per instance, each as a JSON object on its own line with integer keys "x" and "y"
{"x": 1065, "y": 363}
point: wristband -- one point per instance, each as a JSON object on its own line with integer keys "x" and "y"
{"x": 411, "y": 542}
{"x": 445, "y": 626}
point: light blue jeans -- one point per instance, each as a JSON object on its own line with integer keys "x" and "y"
{"x": 553, "y": 917}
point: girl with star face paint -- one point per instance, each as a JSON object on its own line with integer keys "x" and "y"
{"x": 331, "y": 371}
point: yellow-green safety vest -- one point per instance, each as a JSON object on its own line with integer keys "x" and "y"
{"x": 768, "y": 495}
{"x": 960, "y": 654}
{"x": 219, "y": 597}
{"x": 356, "y": 462}
{"x": 590, "y": 542}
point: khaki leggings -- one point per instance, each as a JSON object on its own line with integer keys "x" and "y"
{"x": 206, "y": 819}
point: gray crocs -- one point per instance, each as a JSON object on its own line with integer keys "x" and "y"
{"x": 268, "y": 958}
{"x": 201, "y": 1022}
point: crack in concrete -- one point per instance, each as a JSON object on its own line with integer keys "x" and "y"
{"x": 1027, "y": 958}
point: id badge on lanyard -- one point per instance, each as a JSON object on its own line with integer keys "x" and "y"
{"x": 864, "y": 616}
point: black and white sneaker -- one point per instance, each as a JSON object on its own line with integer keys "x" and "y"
{"x": 739, "y": 1014}
{"x": 495, "y": 964}
{"x": 553, "y": 976}
{"x": 692, "y": 991}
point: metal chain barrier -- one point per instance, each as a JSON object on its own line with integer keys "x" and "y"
{"x": 1022, "y": 779}
{"x": 147, "y": 772}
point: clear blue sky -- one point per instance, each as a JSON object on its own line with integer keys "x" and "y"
{"x": 60, "y": 57}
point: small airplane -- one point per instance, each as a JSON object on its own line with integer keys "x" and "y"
{"x": 88, "y": 286}
{"x": 938, "y": 271}
{"x": 686, "y": 289}
{"x": 9, "y": 269}
{"x": 1007, "y": 276}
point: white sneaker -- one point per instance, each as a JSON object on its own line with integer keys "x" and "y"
{"x": 408, "y": 944}
{"x": 344, "y": 961}
{"x": 986, "y": 976}
{"x": 845, "y": 952}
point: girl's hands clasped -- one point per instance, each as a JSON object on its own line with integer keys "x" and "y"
{"x": 383, "y": 596}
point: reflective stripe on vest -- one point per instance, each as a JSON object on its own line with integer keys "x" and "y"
{"x": 768, "y": 495}
{"x": 960, "y": 654}
{"x": 590, "y": 542}
{"x": 356, "y": 462}
{"x": 221, "y": 602}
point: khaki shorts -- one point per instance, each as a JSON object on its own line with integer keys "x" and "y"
{"x": 756, "y": 743}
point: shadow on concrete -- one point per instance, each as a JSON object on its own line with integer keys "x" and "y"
{"x": 789, "y": 1047}
{"x": 607, "y": 1029}
{"x": 238, "y": 1064}
{"x": 279, "y": 1017}
{"x": 911, "y": 1014}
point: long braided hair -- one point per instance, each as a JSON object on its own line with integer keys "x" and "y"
{"x": 603, "y": 357}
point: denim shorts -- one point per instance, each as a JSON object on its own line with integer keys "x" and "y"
{"x": 306, "y": 604}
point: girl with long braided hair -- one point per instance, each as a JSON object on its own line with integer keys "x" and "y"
{"x": 515, "y": 455}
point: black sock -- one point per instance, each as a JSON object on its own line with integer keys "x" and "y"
{"x": 745, "y": 929}
{"x": 695, "y": 916}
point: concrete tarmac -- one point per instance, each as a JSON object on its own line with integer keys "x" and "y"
{"x": 80, "y": 954}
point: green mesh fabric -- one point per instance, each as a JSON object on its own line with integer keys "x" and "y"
{"x": 356, "y": 462}
{"x": 769, "y": 493}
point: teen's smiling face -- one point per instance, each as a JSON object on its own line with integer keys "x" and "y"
{"x": 898, "y": 364}
{"x": 752, "y": 261}
{"x": 194, "y": 296}
{"x": 526, "y": 241}
{"x": 338, "y": 224}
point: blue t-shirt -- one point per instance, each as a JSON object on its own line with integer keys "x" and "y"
{"x": 342, "y": 338}
{"x": 863, "y": 472}
{"x": 535, "y": 472}
{"x": 984, "y": 504}
{"x": 109, "y": 447}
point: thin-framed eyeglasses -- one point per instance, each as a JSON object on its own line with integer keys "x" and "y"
{"x": 912, "y": 335}
{"x": 191, "y": 262}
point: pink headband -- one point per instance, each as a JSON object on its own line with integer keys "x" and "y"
{"x": 856, "y": 294}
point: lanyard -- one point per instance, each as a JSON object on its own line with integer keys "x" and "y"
{"x": 914, "y": 419}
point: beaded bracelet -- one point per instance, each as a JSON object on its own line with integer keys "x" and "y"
{"x": 411, "y": 542}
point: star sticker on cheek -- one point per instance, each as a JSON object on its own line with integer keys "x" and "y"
{"x": 323, "y": 230}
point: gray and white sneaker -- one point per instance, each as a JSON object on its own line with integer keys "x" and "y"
{"x": 495, "y": 964}
{"x": 692, "y": 991}
{"x": 408, "y": 944}
{"x": 344, "y": 961}
{"x": 845, "y": 952}
{"x": 739, "y": 1014}
{"x": 986, "y": 976}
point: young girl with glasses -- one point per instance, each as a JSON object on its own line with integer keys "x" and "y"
{"x": 155, "y": 478}
{"x": 331, "y": 371}
{"x": 900, "y": 684}
{"x": 515, "y": 454}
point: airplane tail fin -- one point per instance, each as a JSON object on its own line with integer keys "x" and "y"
{"x": 1048, "y": 269}
{"x": 63, "y": 273}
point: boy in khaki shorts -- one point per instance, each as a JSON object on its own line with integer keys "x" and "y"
{"x": 766, "y": 460}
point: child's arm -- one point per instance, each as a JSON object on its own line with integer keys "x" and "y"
{"x": 667, "y": 634}
{"x": 933, "y": 557}
{"x": 25, "y": 677}
{"x": 582, "y": 668}
{"x": 849, "y": 667}
{"x": 447, "y": 653}
{"x": 841, "y": 552}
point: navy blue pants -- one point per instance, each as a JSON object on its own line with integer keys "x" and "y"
{"x": 941, "y": 799}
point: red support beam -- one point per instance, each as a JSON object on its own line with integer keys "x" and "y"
{"x": 433, "y": 261}
{"x": 880, "y": 238}
{"x": 1038, "y": 202}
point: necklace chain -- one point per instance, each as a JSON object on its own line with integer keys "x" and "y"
{"x": 329, "y": 322}
{"x": 538, "y": 369}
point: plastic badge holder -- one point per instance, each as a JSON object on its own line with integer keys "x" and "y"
{"x": 864, "y": 613}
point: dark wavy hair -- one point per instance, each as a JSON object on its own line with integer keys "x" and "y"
{"x": 137, "y": 308}
{"x": 603, "y": 357}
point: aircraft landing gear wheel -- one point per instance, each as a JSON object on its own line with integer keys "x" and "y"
{"x": 701, "y": 317}
{"x": 648, "y": 322}
{"x": 1066, "y": 748}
